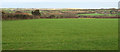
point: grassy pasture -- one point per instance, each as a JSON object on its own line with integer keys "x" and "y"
{"x": 98, "y": 14}
{"x": 91, "y": 14}
{"x": 60, "y": 34}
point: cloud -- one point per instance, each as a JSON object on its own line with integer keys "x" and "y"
{"x": 59, "y": 3}
{"x": 59, "y": 0}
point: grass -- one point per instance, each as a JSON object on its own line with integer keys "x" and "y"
{"x": 91, "y": 14}
{"x": 60, "y": 34}
{"x": 98, "y": 14}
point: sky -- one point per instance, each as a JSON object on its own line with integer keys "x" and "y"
{"x": 90, "y": 4}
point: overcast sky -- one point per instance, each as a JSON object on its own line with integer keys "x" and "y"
{"x": 59, "y": 3}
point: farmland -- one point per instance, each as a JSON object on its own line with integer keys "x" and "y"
{"x": 60, "y": 34}
{"x": 27, "y": 13}
{"x": 98, "y": 14}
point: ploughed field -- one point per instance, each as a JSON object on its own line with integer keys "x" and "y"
{"x": 60, "y": 34}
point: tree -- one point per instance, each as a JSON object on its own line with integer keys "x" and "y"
{"x": 36, "y": 13}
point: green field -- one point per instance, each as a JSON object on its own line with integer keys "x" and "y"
{"x": 91, "y": 14}
{"x": 60, "y": 34}
{"x": 98, "y": 14}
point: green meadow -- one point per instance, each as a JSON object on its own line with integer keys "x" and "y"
{"x": 60, "y": 34}
{"x": 99, "y": 14}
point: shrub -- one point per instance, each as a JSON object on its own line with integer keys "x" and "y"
{"x": 52, "y": 16}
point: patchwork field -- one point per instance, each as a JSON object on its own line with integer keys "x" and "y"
{"x": 60, "y": 34}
